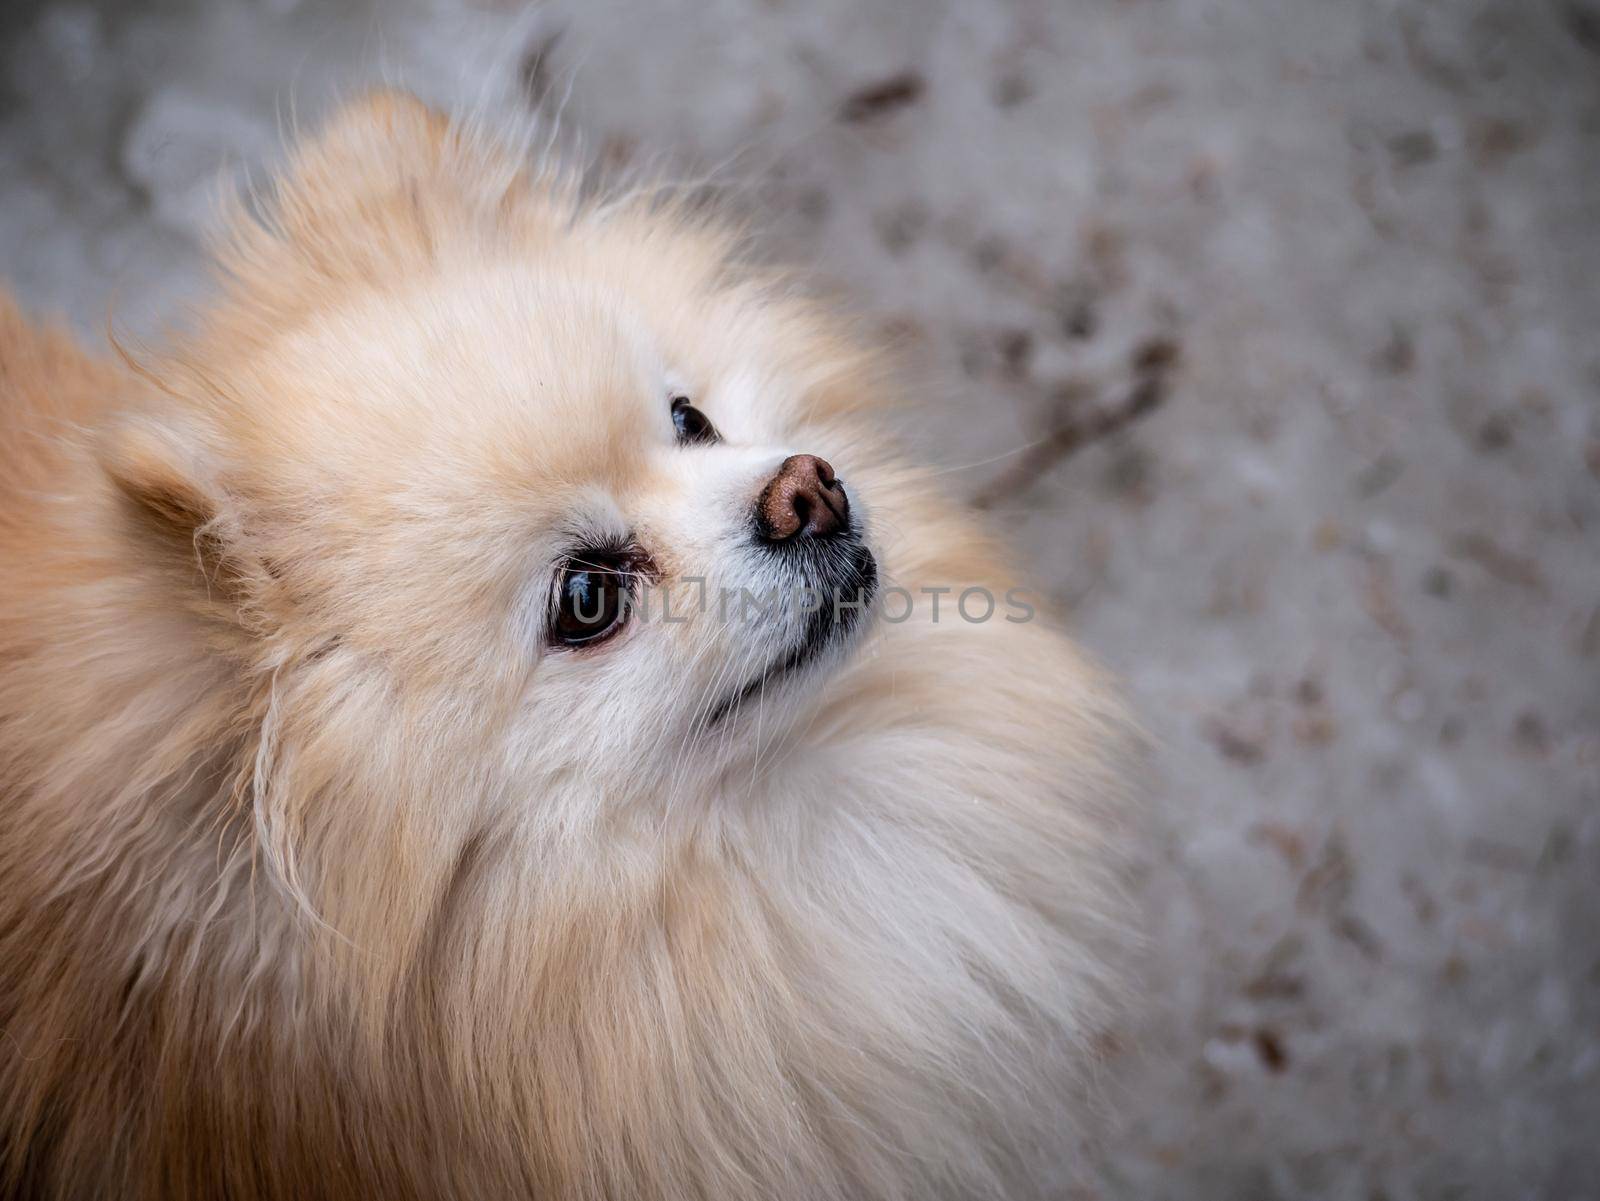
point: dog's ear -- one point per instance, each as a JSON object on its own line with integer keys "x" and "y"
{"x": 165, "y": 477}
{"x": 385, "y": 143}
{"x": 157, "y": 467}
{"x": 363, "y": 201}
{"x": 363, "y": 193}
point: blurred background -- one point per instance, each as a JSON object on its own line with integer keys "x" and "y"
{"x": 1269, "y": 330}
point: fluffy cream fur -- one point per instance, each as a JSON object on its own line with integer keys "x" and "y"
{"x": 323, "y": 875}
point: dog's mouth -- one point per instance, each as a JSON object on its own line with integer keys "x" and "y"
{"x": 841, "y": 611}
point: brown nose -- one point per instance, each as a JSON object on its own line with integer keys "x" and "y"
{"x": 805, "y": 499}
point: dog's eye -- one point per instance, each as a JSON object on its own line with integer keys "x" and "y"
{"x": 592, "y": 595}
{"x": 692, "y": 425}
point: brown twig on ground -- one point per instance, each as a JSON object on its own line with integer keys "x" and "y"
{"x": 1152, "y": 363}
{"x": 879, "y": 99}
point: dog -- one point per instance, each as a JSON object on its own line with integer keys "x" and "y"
{"x": 417, "y": 779}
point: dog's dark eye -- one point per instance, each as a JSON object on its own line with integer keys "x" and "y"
{"x": 592, "y": 596}
{"x": 692, "y": 425}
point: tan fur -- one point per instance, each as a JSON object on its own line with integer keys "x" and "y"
{"x": 320, "y": 878}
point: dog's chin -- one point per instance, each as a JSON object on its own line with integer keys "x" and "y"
{"x": 832, "y": 631}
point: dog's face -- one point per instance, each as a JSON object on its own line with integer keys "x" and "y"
{"x": 563, "y": 483}
{"x": 518, "y": 467}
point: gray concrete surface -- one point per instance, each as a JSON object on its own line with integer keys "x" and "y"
{"x": 1269, "y": 331}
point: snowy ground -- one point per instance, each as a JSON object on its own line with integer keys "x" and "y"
{"x": 1293, "y": 304}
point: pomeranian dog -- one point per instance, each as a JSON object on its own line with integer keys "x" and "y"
{"x": 368, "y": 829}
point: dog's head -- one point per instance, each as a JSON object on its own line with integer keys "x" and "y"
{"x": 563, "y": 476}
